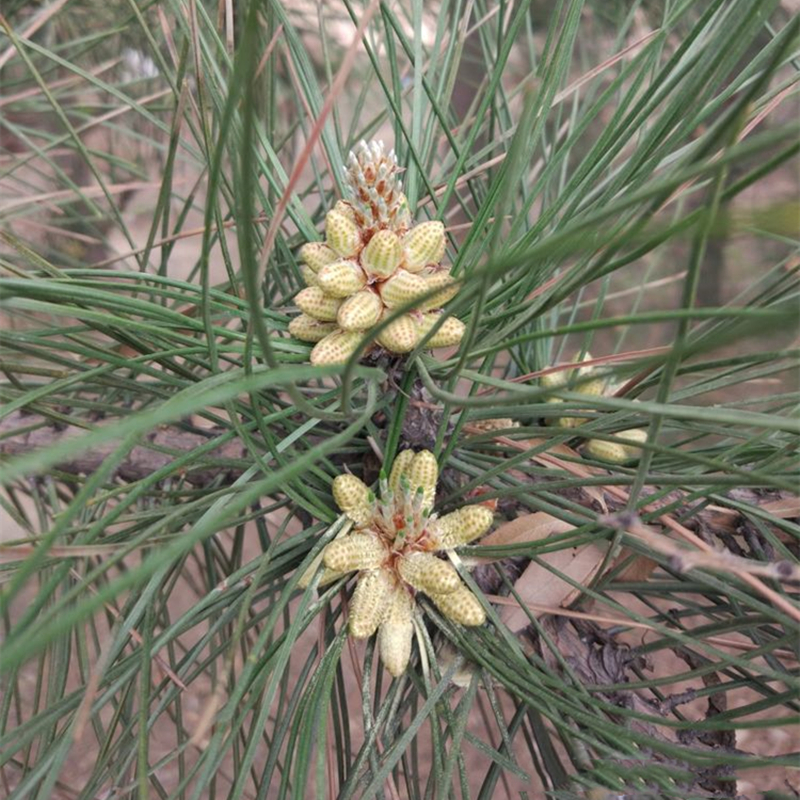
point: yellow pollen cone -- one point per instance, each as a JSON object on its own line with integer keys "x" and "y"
{"x": 439, "y": 280}
{"x": 428, "y": 574}
{"x": 329, "y": 576}
{"x": 341, "y": 279}
{"x": 356, "y": 551}
{"x": 309, "y": 276}
{"x": 400, "y": 335}
{"x": 451, "y": 331}
{"x": 461, "y": 606}
{"x": 314, "y": 302}
{"x": 342, "y": 234}
{"x": 360, "y": 311}
{"x": 343, "y": 207}
{"x": 423, "y": 245}
{"x": 554, "y": 380}
{"x": 306, "y": 577}
{"x": 424, "y": 471}
{"x": 567, "y": 422}
{"x": 594, "y": 387}
{"x": 633, "y": 438}
{"x": 617, "y": 452}
{"x": 606, "y": 451}
{"x": 316, "y": 255}
{"x": 402, "y": 288}
{"x": 569, "y": 379}
{"x": 336, "y": 347}
{"x": 351, "y": 495}
{"x": 396, "y": 632}
{"x": 399, "y": 468}
{"x": 370, "y": 601}
{"x": 494, "y": 424}
{"x": 462, "y": 526}
{"x": 308, "y": 329}
{"x": 382, "y": 255}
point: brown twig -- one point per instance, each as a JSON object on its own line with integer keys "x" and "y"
{"x": 601, "y": 619}
{"x": 619, "y": 494}
{"x": 22, "y": 433}
{"x": 683, "y": 560}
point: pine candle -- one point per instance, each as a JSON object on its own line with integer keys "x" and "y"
{"x": 393, "y": 546}
{"x": 374, "y": 261}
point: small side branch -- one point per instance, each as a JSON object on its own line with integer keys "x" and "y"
{"x": 22, "y": 433}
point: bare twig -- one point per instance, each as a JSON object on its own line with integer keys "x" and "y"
{"x": 683, "y": 559}
{"x": 21, "y": 433}
{"x": 600, "y": 619}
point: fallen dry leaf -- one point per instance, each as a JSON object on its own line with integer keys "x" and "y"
{"x": 785, "y": 508}
{"x": 528, "y": 528}
{"x": 539, "y": 584}
{"x": 638, "y": 570}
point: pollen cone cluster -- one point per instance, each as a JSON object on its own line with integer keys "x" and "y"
{"x": 372, "y": 262}
{"x": 577, "y": 379}
{"x": 490, "y": 425}
{"x": 629, "y": 449}
{"x": 584, "y": 380}
{"x": 393, "y": 546}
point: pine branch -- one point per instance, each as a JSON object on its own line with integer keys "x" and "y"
{"x": 20, "y": 433}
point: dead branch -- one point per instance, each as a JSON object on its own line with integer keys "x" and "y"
{"x": 21, "y": 433}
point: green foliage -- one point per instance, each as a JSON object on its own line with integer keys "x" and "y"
{"x": 594, "y": 162}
